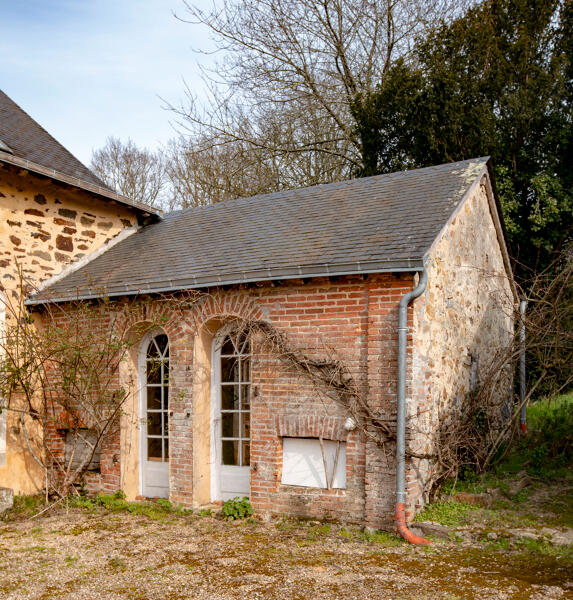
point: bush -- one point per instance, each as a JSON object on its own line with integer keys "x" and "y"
{"x": 548, "y": 450}
{"x": 237, "y": 508}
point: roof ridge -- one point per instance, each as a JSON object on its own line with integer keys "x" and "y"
{"x": 321, "y": 186}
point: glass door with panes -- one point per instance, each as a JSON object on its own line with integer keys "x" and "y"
{"x": 155, "y": 419}
{"x": 232, "y": 423}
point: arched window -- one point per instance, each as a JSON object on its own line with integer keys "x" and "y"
{"x": 157, "y": 399}
{"x": 235, "y": 404}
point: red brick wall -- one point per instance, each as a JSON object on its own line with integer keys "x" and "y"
{"x": 353, "y": 319}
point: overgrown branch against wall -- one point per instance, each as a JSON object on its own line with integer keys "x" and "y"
{"x": 486, "y": 423}
{"x": 59, "y": 372}
{"x": 329, "y": 375}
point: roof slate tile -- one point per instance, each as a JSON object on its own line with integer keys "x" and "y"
{"x": 29, "y": 140}
{"x": 375, "y": 224}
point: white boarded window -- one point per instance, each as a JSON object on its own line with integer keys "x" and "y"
{"x": 311, "y": 463}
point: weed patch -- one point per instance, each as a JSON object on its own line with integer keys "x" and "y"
{"x": 237, "y": 508}
{"x": 157, "y": 509}
{"x": 447, "y": 513}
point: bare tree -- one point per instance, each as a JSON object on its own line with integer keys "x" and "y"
{"x": 291, "y": 73}
{"x": 136, "y": 173}
{"x": 201, "y": 173}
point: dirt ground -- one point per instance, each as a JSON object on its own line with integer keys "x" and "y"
{"x": 83, "y": 554}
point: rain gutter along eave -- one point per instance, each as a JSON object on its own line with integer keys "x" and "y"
{"x": 167, "y": 286}
{"x": 107, "y": 193}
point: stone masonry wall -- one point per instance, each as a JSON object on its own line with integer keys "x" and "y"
{"x": 464, "y": 317}
{"x": 44, "y": 226}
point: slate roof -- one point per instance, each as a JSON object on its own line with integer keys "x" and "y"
{"x": 376, "y": 224}
{"x": 25, "y": 143}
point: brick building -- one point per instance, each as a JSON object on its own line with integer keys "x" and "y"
{"x": 215, "y": 414}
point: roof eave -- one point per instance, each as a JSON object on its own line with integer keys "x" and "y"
{"x": 38, "y": 169}
{"x": 267, "y": 274}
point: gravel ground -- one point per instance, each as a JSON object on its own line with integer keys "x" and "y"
{"x": 80, "y": 554}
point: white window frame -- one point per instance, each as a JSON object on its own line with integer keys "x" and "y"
{"x": 142, "y": 404}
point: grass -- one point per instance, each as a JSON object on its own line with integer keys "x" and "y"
{"x": 451, "y": 514}
{"x": 25, "y": 507}
{"x": 547, "y": 451}
{"x": 545, "y": 455}
{"x": 156, "y": 509}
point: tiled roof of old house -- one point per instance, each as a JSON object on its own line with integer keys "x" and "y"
{"x": 376, "y": 224}
{"x": 25, "y": 143}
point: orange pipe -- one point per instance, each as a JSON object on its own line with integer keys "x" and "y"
{"x": 400, "y": 519}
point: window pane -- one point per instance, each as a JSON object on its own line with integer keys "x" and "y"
{"x": 228, "y": 347}
{"x": 230, "y": 425}
{"x": 246, "y": 454}
{"x": 165, "y": 397}
{"x": 166, "y": 448}
{"x": 153, "y": 371}
{"x": 152, "y": 349}
{"x": 154, "y": 423}
{"x": 153, "y": 398}
{"x": 245, "y": 425}
{"x": 245, "y": 369}
{"x": 245, "y": 397}
{"x": 154, "y": 449}
{"x": 230, "y": 452}
{"x": 165, "y": 425}
{"x": 243, "y": 343}
{"x": 161, "y": 341}
{"x": 229, "y": 369}
{"x": 229, "y": 397}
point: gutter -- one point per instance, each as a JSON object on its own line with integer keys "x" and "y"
{"x": 400, "y": 515}
{"x": 232, "y": 278}
{"x": 28, "y": 165}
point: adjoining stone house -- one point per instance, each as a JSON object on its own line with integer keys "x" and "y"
{"x": 327, "y": 267}
{"x": 53, "y": 212}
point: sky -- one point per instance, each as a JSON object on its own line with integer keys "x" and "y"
{"x": 90, "y": 69}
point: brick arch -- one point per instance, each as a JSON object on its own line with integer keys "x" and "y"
{"x": 160, "y": 315}
{"x": 221, "y": 308}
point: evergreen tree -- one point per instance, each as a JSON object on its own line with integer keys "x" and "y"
{"x": 497, "y": 82}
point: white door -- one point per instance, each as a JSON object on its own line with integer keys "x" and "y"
{"x": 231, "y": 418}
{"x": 154, "y": 412}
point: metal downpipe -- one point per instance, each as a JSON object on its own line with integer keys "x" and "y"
{"x": 522, "y": 385}
{"x": 400, "y": 516}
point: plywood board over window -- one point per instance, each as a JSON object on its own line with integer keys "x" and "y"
{"x": 311, "y": 462}
{"x": 80, "y": 446}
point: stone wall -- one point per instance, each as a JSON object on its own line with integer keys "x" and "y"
{"x": 44, "y": 227}
{"x": 461, "y": 322}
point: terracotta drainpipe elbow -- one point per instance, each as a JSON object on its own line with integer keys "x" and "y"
{"x": 402, "y": 528}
